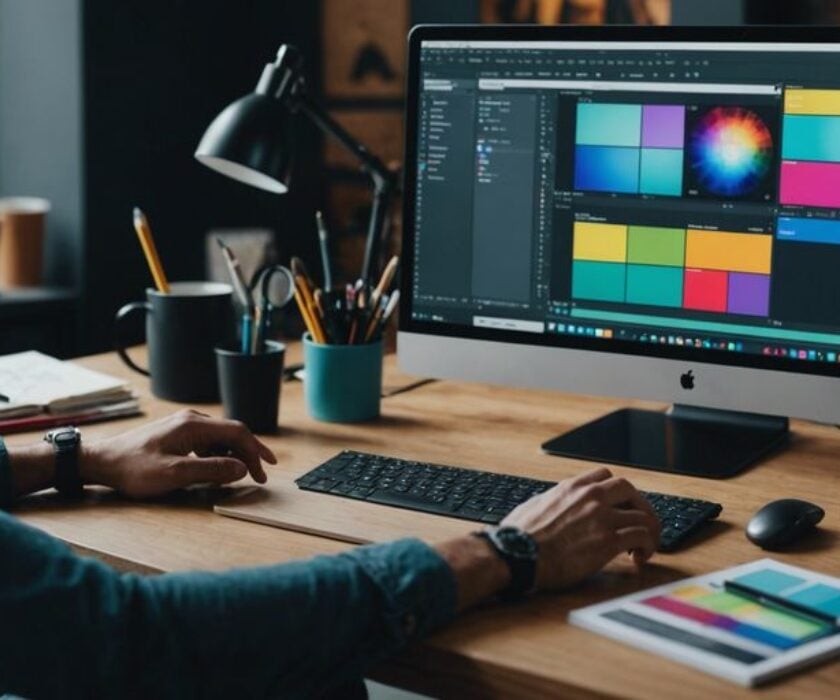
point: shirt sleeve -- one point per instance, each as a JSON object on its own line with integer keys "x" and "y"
{"x": 5, "y": 477}
{"x": 72, "y": 627}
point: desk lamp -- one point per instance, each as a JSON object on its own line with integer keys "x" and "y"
{"x": 252, "y": 141}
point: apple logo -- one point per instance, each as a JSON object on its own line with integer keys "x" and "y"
{"x": 687, "y": 380}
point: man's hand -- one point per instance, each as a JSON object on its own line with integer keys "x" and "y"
{"x": 177, "y": 451}
{"x": 583, "y": 523}
{"x": 580, "y": 525}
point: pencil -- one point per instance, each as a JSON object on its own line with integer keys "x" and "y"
{"x": 374, "y": 322}
{"x": 306, "y": 295}
{"x": 354, "y": 324}
{"x": 299, "y": 268}
{"x": 385, "y": 280}
{"x": 304, "y": 312}
{"x": 147, "y": 242}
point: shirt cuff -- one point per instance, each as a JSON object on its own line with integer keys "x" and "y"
{"x": 417, "y": 585}
{"x": 5, "y": 477}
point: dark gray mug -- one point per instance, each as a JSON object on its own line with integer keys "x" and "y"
{"x": 182, "y": 329}
{"x": 250, "y": 385}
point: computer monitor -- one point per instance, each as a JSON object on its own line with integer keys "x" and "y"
{"x": 636, "y": 212}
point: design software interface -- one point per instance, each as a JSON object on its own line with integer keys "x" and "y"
{"x": 682, "y": 194}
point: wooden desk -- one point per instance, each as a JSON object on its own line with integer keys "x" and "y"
{"x": 524, "y": 650}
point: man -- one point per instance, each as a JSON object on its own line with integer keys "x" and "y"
{"x": 72, "y": 627}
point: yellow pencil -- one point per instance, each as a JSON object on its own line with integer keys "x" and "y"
{"x": 304, "y": 312}
{"x": 147, "y": 242}
{"x": 306, "y": 295}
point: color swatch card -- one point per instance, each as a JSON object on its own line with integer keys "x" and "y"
{"x": 747, "y": 624}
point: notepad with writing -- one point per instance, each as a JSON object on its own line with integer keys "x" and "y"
{"x": 748, "y": 624}
{"x": 33, "y": 383}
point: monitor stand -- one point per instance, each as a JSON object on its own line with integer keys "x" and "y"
{"x": 686, "y": 440}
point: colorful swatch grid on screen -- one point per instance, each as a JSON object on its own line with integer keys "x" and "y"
{"x": 715, "y": 271}
{"x": 740, "y": 616}
{"x": 810, "y": 173}
{"x": 730, "y": 151}
{"x": 810, "y": 594}
{"x": 629, "y": 148}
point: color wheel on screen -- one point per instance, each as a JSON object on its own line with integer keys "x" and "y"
{"x": 730, "y": 151}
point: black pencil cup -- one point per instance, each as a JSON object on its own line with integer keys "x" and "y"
{"x": 250, "y": 385}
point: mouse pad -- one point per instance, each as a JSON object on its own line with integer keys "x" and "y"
{"x": 282, "y": 504}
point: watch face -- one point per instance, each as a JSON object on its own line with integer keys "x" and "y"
{"x": 516, "y": 543}
{"x": 63, "y": 436}
{"x": 65, "y": 439}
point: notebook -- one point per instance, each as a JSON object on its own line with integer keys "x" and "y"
{"x": 33, "y": 383}
{"x": 748, "y": 624}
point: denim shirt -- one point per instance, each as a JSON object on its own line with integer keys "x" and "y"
{"x": 73, "y": 627}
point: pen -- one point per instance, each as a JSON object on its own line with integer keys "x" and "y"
{"x": 147, "y": 243}
{"x": 242, "y": 292}
{"x": 323, "y": 239}
{"x": 235, "y": 271}
{"x": 392, "y": 305}
{"x": 247, "y": 333}
{"x": 783, "y": 604}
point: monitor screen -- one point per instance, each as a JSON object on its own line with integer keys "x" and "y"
{"x": 668, "y": 198}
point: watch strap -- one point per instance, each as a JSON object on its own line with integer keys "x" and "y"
{"x": 68, "y": 482}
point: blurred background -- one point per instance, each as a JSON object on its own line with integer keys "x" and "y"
{"x": 102, "y": 104}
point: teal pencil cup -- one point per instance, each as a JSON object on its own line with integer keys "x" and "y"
{"x": 342, "y": 383}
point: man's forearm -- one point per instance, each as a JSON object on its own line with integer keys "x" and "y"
{"x": 479, "y": 572}
{"x": 32, "y": 467}
{"x": 290, "y": 630}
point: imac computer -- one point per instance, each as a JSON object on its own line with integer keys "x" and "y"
{"x": 635, "y": 212}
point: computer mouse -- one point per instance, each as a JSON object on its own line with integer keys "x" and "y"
{"x": 783, "y": 522}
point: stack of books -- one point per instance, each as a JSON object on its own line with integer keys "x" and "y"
{"x": 39, "y": 392}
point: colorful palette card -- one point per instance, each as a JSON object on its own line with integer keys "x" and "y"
{"x": 747, "y": 624}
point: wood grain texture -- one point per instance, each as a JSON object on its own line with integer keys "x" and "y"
{"x": 512, "y": 651}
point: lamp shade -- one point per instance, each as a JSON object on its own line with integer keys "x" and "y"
{"x": 251, "y": 141}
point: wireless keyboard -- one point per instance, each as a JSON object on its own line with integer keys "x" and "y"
{"x": 469, "y": 494}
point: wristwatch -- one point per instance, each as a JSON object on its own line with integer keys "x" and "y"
{"x": 65, "y": 442}
{"x": 520, "y": 552}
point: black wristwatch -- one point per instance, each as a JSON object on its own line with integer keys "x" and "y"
{"x": 520, "y": 552}
{"x": 65, "y": 442}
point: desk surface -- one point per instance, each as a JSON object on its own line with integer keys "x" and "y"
{"x": 523, "y": 650}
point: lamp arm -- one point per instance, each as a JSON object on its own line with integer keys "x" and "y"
{"x": 384, "y": 181}
{"x": 370, "y": 163}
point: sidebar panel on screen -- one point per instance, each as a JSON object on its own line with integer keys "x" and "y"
{"x": 503, "y": 218}
{"x": 445, "y": 178}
